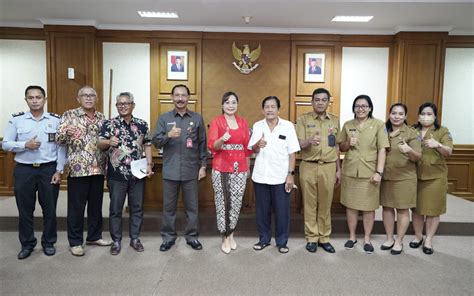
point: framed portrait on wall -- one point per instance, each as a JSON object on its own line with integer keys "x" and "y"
{"x": 177, "y": 65}
{"x": 314, "y": 67}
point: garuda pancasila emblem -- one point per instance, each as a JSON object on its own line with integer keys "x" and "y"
{"x": 245, "y": 59}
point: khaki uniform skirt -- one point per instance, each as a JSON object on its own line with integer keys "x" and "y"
{"x": 398, "y": 194}
{"x": 360, "y": 194}
{"x": 431, "y": 197}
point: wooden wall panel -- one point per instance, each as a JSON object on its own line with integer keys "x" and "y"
{"x": 160, "y": 85}
{"x": 6, "y": 172}
{"x": 301, "y": 91}
{"x": 418, "y": 63}
{"x": 220, "y": 76}
{"x": 70, "y": 50}
{"x": 461, "y": 172}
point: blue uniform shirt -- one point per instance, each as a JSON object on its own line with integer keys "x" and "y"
{"x": 22, "y": 127}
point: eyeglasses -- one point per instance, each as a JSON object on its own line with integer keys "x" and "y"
{"x": 89, "y": 96}
{"x": 126, "y": 104}
{"x": 362, "y": 107}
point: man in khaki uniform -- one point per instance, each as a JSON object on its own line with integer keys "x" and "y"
{"x": 319, "y": 169}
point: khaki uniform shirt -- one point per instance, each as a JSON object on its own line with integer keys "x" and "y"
{"x": 432, "y": 164}
{"x": 397, "y": 164}
{"x": 306, "y": 127}
{"x": 361, "y": 160}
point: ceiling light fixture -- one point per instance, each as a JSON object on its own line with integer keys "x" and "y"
{"x": 352, "y": 18}
{"x": 158, "y": 14}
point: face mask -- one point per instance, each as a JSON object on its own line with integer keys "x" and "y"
{"x": 426, "y": 120}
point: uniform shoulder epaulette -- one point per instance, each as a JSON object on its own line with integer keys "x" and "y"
{"x": 18, "y": 114}
{"x": 54, "y": 115}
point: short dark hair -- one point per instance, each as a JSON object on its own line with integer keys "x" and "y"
{"x": 369, "y": 101}
{"x": 388, "y": 124}
{"x": 435, "y": 112}
{"x": 180, "y": 85}
{"x": 277, "y": 100}
{"x": 321, "y": 91}
{"x": 35, "y": 87}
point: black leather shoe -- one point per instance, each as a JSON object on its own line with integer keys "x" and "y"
{"x": 25, "y": 253}
{"x": 396, "y": 252}
{"x": 136, "y": 244}
{"x": 312, "y": 247}
{"x": 415, "y": 245}
{"x": 386, "y": 248}
{"x": 328, "y": 247}
{"x": 428, "y": 251}
{"x": 195, "y": 244}
{"x": 49, "y": 251}
{"x": 115, "y": 248}
{"x": 165, "y": 246}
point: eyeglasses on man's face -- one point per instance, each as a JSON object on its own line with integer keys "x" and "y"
{"x": 88, "y": 96}
{"x": 124, "y": 104}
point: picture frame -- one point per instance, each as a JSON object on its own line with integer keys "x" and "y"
{"x": 314, "y": 67}
{"x": 177, "y": 65}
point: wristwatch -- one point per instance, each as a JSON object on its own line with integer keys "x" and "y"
{"x": 380, "y": 173}
{"x": 291, "y": 173}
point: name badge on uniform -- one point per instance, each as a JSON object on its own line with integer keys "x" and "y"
{"x": 189, "y": 143}
{"x": 332, "y": 140}
{"x": 283, "y": 137}
{"x": 51, "y": 137}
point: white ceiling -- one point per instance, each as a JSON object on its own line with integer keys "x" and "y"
{"x": 277, "y": 16}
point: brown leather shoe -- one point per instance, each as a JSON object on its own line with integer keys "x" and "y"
{"x": 137, "y": 245}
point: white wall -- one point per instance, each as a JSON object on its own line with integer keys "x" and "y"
{"x": 364, "y": 71}
{"x": 131, "y": 72}
{"x": 458, "y": 94}
{"x": 22, "y": 63}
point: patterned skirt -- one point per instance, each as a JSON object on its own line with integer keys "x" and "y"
{"x": 229, "y": 189}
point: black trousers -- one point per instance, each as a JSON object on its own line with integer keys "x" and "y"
{"x": 134, "y": 189}
{"x": 30, "y": 180}
{"x": 81, "y": 191}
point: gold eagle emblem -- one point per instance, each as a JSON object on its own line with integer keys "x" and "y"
{"x": 246, "y": 58}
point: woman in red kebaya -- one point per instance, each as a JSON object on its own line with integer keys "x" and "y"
{"x": 228, "y": 138}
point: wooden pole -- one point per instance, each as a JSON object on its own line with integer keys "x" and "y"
{"x": 110, "y": 92}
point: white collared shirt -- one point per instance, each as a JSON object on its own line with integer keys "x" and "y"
{"x": 272, "y": 162}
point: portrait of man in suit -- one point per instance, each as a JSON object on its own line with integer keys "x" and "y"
{"x": 314, "y": 68}
{"x": 314, "y": 64}
{"x": 177, "y": 66}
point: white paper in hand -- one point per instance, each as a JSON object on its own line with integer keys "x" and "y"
{"x": 138, "y": 168}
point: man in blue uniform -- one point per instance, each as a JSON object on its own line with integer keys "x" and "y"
{"x": 39, "y": 165}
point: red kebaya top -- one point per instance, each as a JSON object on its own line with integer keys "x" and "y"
{"x": 233, "y": 154}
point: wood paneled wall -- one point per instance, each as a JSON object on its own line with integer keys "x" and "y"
{"x": 69, "y": 48}
{"x": 415, "y": 76}
{"x": 270, "y": 78}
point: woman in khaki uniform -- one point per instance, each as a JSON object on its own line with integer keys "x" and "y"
{"x": 364, "y": 140}
{"x": 432, "y": 176}
{"x": 398, "y": 188}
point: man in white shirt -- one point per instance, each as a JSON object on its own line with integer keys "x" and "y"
{"x": 275, "y": 143}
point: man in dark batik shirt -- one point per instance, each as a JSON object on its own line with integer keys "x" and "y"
{"x": 126, "y": 138}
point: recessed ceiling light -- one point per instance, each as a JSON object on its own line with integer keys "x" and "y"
{"x": 352, "y": 18}
{"x": 158, "y": 14}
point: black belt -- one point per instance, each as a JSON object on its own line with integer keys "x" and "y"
{"x": 319, "y": 161}
{"x": 37, "y": 165}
